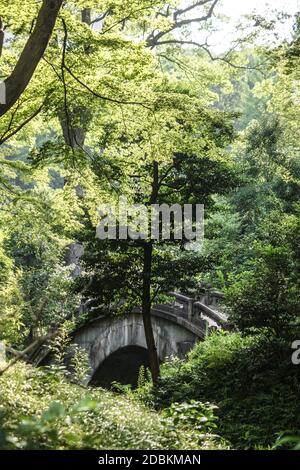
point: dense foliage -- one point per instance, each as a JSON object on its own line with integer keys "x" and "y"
{"x": 122, "y": 100}
{"x": 41, "y": 410}
{"x": 251, "y": 381}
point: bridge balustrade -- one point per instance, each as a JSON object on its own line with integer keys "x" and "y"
{"x": 202, "y": 312}
{"x": 212, "y": 298}
{"x": 182, "y": 305}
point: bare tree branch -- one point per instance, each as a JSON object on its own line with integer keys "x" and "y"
{"x": 206, "y": 49}
{"x": 190, "y": 7}
{"x": 23, "y": 354}
{"x": 54, "y": 331}
{"x": 153, "y": 39}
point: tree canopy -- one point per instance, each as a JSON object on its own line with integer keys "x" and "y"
{"x": 124, "y": 98}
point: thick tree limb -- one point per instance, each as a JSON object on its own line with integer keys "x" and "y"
{"x": 32, "y": 53}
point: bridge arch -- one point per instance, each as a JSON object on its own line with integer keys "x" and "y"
{"x": 104, "y": 336}
{"x": 122, "y": 366}
{"x": 177, "y": 326}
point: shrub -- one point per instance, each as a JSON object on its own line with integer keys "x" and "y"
{"x": 40, "y": 410}
{"x": 251, "y": 380}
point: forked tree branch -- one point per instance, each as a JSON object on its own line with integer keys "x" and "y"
{"x": 154, "y": 38}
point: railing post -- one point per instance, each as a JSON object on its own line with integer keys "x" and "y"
{"x": 174, "y": 306}
{"x": 190, "y": 309}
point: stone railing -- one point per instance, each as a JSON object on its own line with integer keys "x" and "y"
{"x": 212, "y": 298}
{"x": 199, "y": 312}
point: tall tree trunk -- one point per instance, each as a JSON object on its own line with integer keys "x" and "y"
{"x": 1, "y": 36}
{"x": 75, "y": 136}
{"x": 146, "y": 312}
{"x": 86, "y": 16}
{"x": 146, "y": 295}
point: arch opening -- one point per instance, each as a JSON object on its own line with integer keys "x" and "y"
{"x": 121, "y": 366}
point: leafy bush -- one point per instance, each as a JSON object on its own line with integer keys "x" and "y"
{"x": 267, "y": 293}
{"x": 196, "y": 418}
{"x": 291, "y": 441}
{"x": 199, "y": 415}
{"x": 40, "y": 410}
{"x": 251, "y": 380}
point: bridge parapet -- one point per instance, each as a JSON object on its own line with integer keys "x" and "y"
{"x": 211, "y": 298}
{"x": 198, "y": 312}
{"x": 182, "y": 305}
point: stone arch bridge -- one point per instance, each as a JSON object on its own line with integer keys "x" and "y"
{"x": 177, "y": 326}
